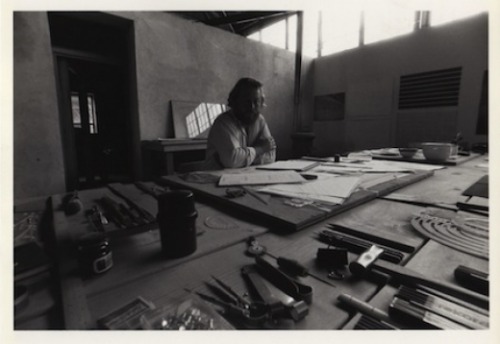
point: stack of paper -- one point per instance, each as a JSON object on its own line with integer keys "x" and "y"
{"x": 329, "y": 189}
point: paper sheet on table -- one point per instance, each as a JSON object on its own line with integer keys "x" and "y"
{"x": 374, "y": 166}
{"x": 259, "y": 178}
{"x": 296, "y": 165}
{"x": 326, "y": 189}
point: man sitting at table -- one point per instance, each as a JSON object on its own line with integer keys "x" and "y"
{"x": 240, "y": 136}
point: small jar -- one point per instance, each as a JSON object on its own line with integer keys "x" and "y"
{"x": 94, "y": 253}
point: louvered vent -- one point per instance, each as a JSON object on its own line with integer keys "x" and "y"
{"x": 430, "y": 89}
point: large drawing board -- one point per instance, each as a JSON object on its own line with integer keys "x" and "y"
{"x": 281, "y": 216}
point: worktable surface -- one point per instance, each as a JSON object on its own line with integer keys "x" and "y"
{"x": 140, "y": 270}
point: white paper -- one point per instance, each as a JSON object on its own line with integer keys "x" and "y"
{"x": 261, "y": 178}
{"x": 326, "y": 189}
{"x": 296, "y": 165}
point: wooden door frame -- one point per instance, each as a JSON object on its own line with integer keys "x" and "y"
{"x": 61, "y": 56}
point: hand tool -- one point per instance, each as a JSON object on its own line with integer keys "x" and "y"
{"x": 255, "y": 194}
{"x": 112, "y": 208}
{"x": 363, "y": 307}
{"x": 230, "y": 290}
{"x": 290, "y": 266}
{"x": 221, "y": 294}
{"x": 373, "y": 238}
{"x": 357, "y": 245}
{"x": 332, "y": 257}
{"x": 142, "y": 213}
{"x": 473, "y": 279}
{"x": 284, "y": 282}
{"x": 359, "y": 266}
{"x": 254, "y": 315}
{"x": 406, "y": 276}
{"x": 277, "y": 308}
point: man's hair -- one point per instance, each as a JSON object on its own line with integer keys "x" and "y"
{"x": 241, "y": 85}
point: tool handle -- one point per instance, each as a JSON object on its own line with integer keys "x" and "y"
{"x": 366, "y": 259}
{"x": 358, "y": 245}
{"x": 473, "y": 279}
{"x": 292, "y": 266}
{"x": 407, "y": 276}
{"x": 376, "y": 239}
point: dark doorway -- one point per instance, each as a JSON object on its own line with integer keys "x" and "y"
{"x": 92, "y": 53}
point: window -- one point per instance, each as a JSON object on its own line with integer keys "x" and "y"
{"x": 331, "y": 31}
{"x": 282, "y": 34}
{"x": 201, "y": 119}
{"x": 387, "y": 21}
{"x": 77, "y": 115}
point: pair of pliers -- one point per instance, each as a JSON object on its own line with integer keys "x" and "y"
{"x": 233, "y": 305}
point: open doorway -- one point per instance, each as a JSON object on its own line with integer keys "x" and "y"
{"x": 96, "y": 94}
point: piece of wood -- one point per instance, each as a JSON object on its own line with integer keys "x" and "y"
{"x": 479, "y": 188}
{"x": 73, "y": 296}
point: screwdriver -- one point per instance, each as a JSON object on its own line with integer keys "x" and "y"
{"x": 293, "y": 267}
{"x": 297, "y": 269}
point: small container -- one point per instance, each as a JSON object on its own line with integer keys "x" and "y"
{"x": 408, "y": 152}
{"x": 94, "y": 253}
{"x": 436, "y": 151}
{"x": 177, "y": 221}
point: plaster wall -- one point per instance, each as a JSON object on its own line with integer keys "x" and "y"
{"x": 181, "y": 60}
{"x": 370, "y": 77}
{"x": 38, "y": 157}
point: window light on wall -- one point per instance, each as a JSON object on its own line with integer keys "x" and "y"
{"x": 335, "y": 30}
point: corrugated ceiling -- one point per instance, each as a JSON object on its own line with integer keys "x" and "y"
{"x": 240, "y": 23}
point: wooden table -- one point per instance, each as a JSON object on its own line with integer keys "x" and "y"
{"x": 141, "y": 271}
{"x": 159, "y": 154}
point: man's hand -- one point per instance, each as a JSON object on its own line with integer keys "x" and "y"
{"x": 265, "y": 145}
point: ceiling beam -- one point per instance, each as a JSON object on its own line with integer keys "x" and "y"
{"x": 242, "y": 17}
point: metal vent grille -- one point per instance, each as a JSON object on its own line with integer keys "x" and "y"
{"x": 430, "y": 89}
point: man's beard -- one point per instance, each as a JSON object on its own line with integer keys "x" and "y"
{"x": 248, "y": 118}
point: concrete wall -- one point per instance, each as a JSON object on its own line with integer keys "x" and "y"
{"x": 175, "y": 60}
{"x": 38, "y": 156}
{"x": 370, "y": 77}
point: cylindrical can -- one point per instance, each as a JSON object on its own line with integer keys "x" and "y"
{"x": 94, "y": 253}
{"x": 177, "y": 221}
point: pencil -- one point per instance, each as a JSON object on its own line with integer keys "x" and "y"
{"x": 255, "y": 194}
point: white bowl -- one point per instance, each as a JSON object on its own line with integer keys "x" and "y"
{"x": 437, "y": 151}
